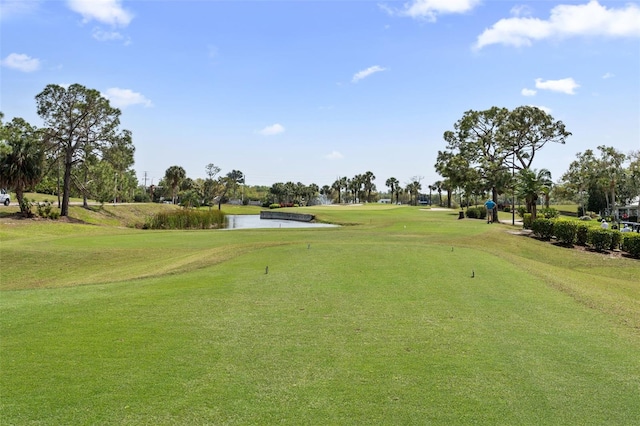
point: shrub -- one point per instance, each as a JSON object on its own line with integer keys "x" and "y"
{"x": 565, "y": 231}
{"x": 476, "y": 213}
{"x": 631, "y": 244}
{"x": 507, "y": 209}
{"x": 527, "y": 219}
{"x": 25, "y": 207}
{"x": 542, "y": 228}
{"x": 46, "y": 210}
{"x": 549, "y": 213}
{"x": 521, "y": 210}
{"x": 600, "y": 239}
{"x": 141, "y": 198}
{"x": 616, "y": 239}
{"x": 582, "y": 234}
{"x": 274, "y": 206}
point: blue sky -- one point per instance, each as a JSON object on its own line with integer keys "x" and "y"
{"x": 312, "y": 90}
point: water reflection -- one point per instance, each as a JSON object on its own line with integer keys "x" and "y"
{"x": 254, "y": 222}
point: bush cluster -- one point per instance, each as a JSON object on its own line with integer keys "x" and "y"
{"x": 571, "y": 232}
{"x": 47, "y": 211}
{"x": 566, "y": 231}
{"x": 279, "y": 205}
{"x": 542, "y": 228}
{"x": 186, "y": 219}
{"x": 582, "y": 234}
{"x": 476, "y": 213}
{"x": 527, "y": 220}
{"x": 549, "y": 213}
{"x": 631, "y": 244}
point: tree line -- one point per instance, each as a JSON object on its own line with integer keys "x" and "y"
{"x": 81, "y": 151}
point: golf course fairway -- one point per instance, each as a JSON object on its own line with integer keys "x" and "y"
{"x": 400, "y": 316}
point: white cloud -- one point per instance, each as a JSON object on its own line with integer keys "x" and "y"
{"x": 528, "y": 92}
{"x": 430, "y": 9}
{"x": 334, "y": 155}
{"x": 101, "y": 35}
{"x": 274, "y": 129}
{"x": 608, "y": 75}
{"x": 366, "y": 73}
{"x": 521, "y": 10}
{"x": 591, "y": 19}
{"x": 105, "y": 11}
{"x": 565, "y": 85}
{"x": 21, "y": 62}
{"x": 11, "y": 8}
{"x": 122, "y": 98}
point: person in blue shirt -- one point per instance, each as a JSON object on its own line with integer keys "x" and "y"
{"x": 490, "y": 205}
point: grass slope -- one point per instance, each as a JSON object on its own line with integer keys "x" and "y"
{"x": 375, "y": 323}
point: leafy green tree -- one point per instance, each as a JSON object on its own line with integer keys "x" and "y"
{"x": 210, "y": 186}
{"x": 311, "y": 194}
{"x": 190, "y": 199}
{"x": 21, "y": 158}
{"x": 229, "y": 183}
{"x": 496, "y": 141}
{"x": 78, "y": 122}
{"x": 632, "y": 181}
{"x": 174, "y": 176}
{"x": 580, "y": 177}
{"x": 527, "y": 130}
{"x": 478, "y": 137}
{"x": 612, "y": 172}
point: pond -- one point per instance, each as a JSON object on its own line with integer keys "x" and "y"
{"x": 254, "y": 222}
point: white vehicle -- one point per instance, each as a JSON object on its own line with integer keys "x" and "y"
{"x": 4, "y": 197}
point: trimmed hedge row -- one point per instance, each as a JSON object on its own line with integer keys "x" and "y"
{"x": 571, "y": 232}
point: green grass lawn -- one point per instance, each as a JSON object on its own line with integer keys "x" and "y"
{"x": 378, "y": 322}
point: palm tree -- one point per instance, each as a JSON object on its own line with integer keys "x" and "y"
{"x": 369, "y": 186}
{"x": 289, "y": 191}
{"x": 277, "y": 190}
{"x": 21, "y": 160}
{"x": 413, "y": 189}
{"x": 355, "y": 186}
{"x": 174, "y": 176}
{"x": 431, "y": 188}
{"x": 438, "y": 187}
{"x": 447, "y": 185}
{"x": 392, "y": 183}
{"x": 530, "y": 184}
{"x": 337, "y": 186}
{"x": 344, "y": 184}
